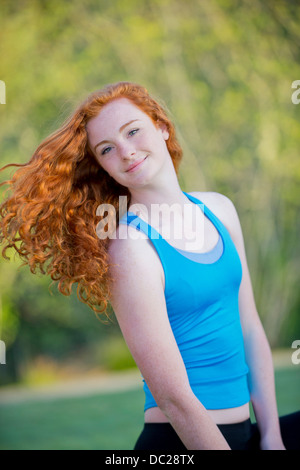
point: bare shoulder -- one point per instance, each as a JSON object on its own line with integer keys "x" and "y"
{"x": 130, "y": 252}
{"x": 223, "y": 208}
{"x": 218, "y": 203}
{"x": 127, "y": 241}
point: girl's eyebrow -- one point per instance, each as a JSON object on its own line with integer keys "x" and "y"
{"x": 120, "y": 130}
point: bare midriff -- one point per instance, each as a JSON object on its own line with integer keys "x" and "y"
{"x": 226, "y": 416}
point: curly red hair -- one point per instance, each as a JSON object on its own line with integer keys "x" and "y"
{"x": 52, "y": 208}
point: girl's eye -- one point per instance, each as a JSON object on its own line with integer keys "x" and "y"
{"x": 106, "y": 150}
{"x": 134, "y": 131}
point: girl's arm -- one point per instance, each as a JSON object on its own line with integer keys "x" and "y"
{"x": 257, "y": 349}
{"x": 139, "y": 304}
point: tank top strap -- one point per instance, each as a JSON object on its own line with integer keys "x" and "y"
{"x": 211, "y": 216}
{"x": 133, "y": 220}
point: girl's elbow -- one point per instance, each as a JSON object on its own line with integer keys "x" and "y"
{"x": 175, "y": 402}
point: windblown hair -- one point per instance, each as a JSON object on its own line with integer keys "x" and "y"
{"x": 51, "y": 211}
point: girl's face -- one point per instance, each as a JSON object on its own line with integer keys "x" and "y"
{"x": 127, "y": 144}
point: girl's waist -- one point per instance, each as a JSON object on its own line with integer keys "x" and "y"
{"x": 223, "y": 416}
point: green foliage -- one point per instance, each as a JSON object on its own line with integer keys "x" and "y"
{"x": 114, "y": 354}
{"x": 224, "y": 70}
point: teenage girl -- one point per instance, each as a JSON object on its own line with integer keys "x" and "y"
{"x": 188, "y": 315}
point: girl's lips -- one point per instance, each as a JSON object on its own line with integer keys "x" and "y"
{"x": 135, "y": 165}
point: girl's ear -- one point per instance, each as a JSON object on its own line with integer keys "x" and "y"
{"x": 163, "y": 127}
{"x": 166, "y": 134}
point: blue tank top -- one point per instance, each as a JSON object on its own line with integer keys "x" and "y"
{"x": 201, "y": 292}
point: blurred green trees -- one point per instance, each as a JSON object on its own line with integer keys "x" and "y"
{"x": 224, "y": 69}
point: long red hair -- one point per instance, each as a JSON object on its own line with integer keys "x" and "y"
{"x": 50, "y": 217}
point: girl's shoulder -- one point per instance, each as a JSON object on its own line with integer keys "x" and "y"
{"x": 213, "y": 200}
{"x": 221, "y": 206}
{"x": 130, "y": 247}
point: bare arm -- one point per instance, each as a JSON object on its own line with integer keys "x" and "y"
{"x": 257, "y": 349}
{"x": 139, "y": 304}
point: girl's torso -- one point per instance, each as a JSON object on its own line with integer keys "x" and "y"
{"x": 207, "y": 240}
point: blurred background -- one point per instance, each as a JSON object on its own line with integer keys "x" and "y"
{"x": 224, "y": 70}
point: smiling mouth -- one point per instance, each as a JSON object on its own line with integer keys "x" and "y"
{"x": 135, "y": 165}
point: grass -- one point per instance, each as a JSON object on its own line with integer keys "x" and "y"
{"x": 108, "y": 421}
{"x": 104, "y": 421}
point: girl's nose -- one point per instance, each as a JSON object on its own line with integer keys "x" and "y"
{"x": 127, "y": 151}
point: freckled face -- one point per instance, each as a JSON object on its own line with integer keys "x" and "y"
{"x": 127, "y": 144}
